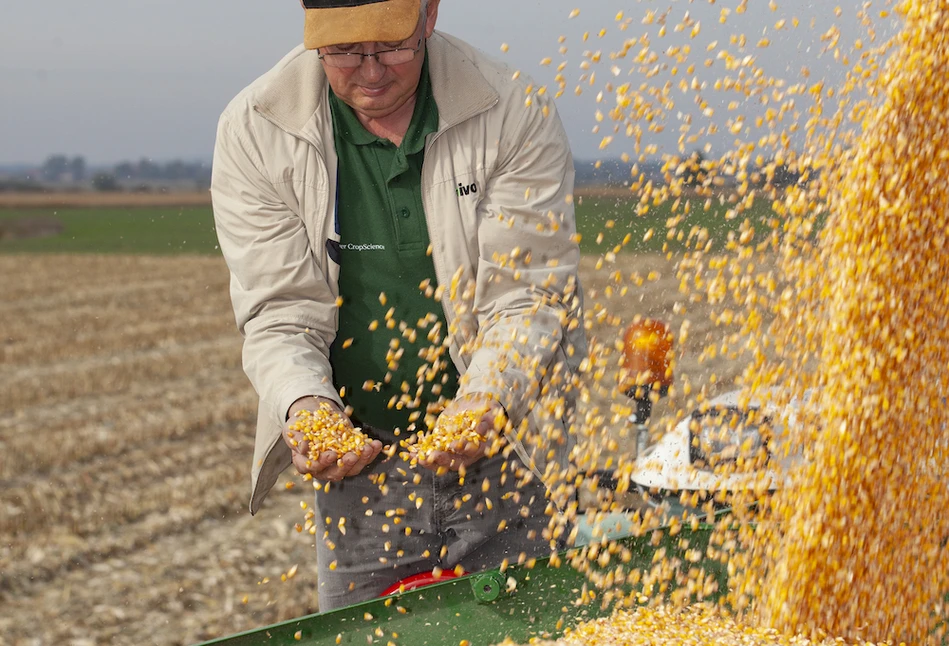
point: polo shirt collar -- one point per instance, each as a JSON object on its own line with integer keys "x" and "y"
{"x": 347, "y": 124}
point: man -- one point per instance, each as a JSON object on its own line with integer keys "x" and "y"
{"x": 396, "y": 214}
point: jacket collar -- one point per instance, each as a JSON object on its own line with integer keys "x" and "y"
{"x": 296, "y": 98}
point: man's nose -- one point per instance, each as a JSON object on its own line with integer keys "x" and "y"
{"x": 371, "y": 68}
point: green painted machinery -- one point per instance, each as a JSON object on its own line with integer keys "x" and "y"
{"x": 484, "y": 608}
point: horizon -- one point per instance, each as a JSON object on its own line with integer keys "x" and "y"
{"x": 208, "y": 160}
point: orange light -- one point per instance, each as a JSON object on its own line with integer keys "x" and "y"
{"x": 647, "y": 355}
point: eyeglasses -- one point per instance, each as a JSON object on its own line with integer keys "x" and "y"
{"x": 397, "y": 56}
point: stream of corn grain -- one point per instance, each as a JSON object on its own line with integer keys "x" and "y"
{"x": 853, "y": 549}
{"x": 861, "y": 553}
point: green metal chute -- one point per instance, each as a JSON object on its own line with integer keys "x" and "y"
{"x": 483, "y": 608}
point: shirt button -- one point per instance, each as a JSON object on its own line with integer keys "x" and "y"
{"x": 404, "y": 213}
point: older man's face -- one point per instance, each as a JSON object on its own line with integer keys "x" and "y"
{"x": 377, "y": 91}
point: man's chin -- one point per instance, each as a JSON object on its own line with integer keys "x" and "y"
{"x": 375, "y": 108}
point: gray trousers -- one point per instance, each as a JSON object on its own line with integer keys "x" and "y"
{"x": 370, "y": 536}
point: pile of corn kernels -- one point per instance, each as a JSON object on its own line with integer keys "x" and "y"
{"x": 693, "y": 626}
{"x": 449, "y": 431}
{"x": 326, "y": 430}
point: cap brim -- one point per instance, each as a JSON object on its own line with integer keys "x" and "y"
{"x": 381, "y": 22}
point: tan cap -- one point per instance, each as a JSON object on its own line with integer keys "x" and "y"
{"x": 335, "y": 22}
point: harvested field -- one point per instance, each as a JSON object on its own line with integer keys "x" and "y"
{"x": 126, "y": 434}
{"x": 90, "y": 198}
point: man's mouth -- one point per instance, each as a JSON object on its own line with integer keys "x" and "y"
{"x": 374, "y": 91}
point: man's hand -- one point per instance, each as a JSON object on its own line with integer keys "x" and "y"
{"x": 330, "y": 467}
{"x": 463, "y": 454}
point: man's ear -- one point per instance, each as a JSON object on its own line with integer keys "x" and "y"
{"x": 431, "y": 15}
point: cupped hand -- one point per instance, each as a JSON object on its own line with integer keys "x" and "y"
{"x": 329, "y": 467}
{"x": 462, "y": 454}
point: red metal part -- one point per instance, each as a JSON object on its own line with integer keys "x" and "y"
{"x": 420, "y": 581}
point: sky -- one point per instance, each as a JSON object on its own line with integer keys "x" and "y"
{"x": 115, "y": 80}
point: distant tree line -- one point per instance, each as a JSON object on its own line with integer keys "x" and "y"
{"x": 694, "y": 171}
{"x": 176, "y": 170}
{"x": 62, "y": 172}
{"x": 613, "y": 172}
{"x": 59, "y": 168}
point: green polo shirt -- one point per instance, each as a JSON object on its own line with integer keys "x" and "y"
{"x": 390, "y": 354}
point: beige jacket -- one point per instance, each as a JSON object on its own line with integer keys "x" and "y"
{"x": 504, "y": 250}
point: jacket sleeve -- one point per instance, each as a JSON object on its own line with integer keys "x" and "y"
{"x": 283, "y": 304}
{"x": 527, "y": 291}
